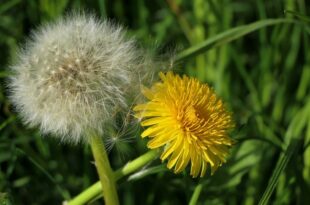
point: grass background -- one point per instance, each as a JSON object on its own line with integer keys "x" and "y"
{"x": 263, "y": 76}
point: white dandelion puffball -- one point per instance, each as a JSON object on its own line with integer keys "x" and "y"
{"x": 74, "y": 74}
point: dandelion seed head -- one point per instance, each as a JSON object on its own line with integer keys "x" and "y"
{"x": 74, "y": 74}
{"x": 189, "y": 121}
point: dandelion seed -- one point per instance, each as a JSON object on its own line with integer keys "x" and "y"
{"x": 121, "y": 132}
{"x": 74, "y": 73}
{"x": 189, "y": 121}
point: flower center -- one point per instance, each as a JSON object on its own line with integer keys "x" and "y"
{"x": 190, "y": 119}
{"x": 191, "y": 114}
{"x": 68, "y": 77}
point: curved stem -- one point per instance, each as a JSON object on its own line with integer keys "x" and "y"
{"x": 129, "y": 168}
{"x": 104, "y": 171}
{"x": 195, "y": 195}
{"x": 136, "y": 164}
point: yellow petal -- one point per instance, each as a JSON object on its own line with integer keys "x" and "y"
{"x": 160, "y": 140}
{"x": 203, "y": 169}
{"x": 147, "y": 93}
{"x": 170, "y": 149}
{"x": 155, "y": 120}
{"x": 153, "y": 130}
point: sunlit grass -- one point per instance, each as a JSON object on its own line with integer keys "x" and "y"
{"x": 254, "y": 55}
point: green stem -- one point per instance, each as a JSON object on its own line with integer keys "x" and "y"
{"x": 129, "y": 168}
{"x": 136, "y": 164}
{"x": 104, "y": 170}
{"x": 195, "y": 195}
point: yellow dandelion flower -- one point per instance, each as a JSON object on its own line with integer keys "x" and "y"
{"x": 189, "y": 120}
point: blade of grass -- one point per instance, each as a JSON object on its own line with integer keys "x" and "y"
{"x": 256, "y": 103}
{"x": 228, "y": 36}
{"x": 65, "y": 194}
{"x": 299, "y": 15}
{"x": 7, "y": 121}
{"x": 195, "y": 195}
{"x": 8, "y": 5}
{"x": 102, "y": 8}
{"x": 304, "y": 84}
{"x": 293, "y": 137}
{"x": 281, "y": 165}
{"x": 185, "y": 26}
{"x": 306, "y": 169}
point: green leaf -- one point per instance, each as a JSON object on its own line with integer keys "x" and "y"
{"x": 228, "y": 36}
